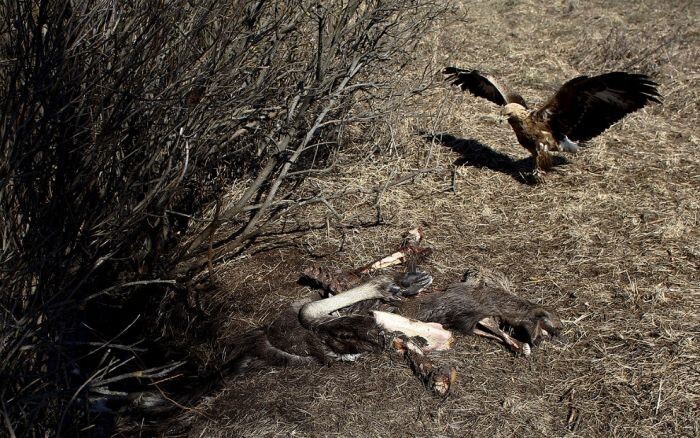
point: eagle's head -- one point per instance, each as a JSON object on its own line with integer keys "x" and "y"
{"x": 514, "y": 112}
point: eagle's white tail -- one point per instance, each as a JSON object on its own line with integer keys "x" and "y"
{"x": 567, "y": 145}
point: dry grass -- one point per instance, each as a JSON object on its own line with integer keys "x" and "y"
{"x": 611, "y": 241}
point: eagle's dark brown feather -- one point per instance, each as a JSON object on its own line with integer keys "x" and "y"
{"x": 585, "y": 106}
{"x": 482, "y": 86}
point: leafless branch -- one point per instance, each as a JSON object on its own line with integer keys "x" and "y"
{"x": 122, "y": 127}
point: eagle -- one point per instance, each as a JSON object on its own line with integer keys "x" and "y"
{"x": 583, "y": 108}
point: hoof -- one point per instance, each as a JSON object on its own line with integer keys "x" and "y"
{"x": 414, "y": 282}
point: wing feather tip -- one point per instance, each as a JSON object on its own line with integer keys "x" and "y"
{"x": 454, "y": 71}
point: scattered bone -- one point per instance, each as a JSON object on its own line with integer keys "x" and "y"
{"x": 398, "y": 257}
{"x": 436, "y": 337}
{"x": 409, "y": 250}
{"x": 336, "y": 281}
{"x": 495, "y": 332}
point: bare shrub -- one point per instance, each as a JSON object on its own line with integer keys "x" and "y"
{"x": 122, "y": 125}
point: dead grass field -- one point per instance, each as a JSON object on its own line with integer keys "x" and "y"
{"x": 610, "y": 241}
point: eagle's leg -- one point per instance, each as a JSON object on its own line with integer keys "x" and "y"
{"x": 543, "y": 162}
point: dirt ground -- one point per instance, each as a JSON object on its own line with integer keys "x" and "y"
{"x": 610, "y": 241}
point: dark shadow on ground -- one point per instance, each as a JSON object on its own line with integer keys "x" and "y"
{"x": 477, "y": 154}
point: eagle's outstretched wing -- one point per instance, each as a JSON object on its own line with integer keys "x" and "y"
{"x": 586, "y": 106}
{"x": 482, "y": 86}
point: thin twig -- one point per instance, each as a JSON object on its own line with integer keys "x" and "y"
{"x": 129, "y": 284}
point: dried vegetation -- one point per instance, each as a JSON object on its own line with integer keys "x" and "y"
{"x": 611, "y": 240}
{"x": 123, "y": 126}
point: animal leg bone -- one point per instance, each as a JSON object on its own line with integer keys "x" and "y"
{"x": 435, "y": 337}
{"x": 317, "y": 311}
{"x": 409, "y": 249}
{"x": 396, "y": 258}
{"x": 493, "y": 331}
